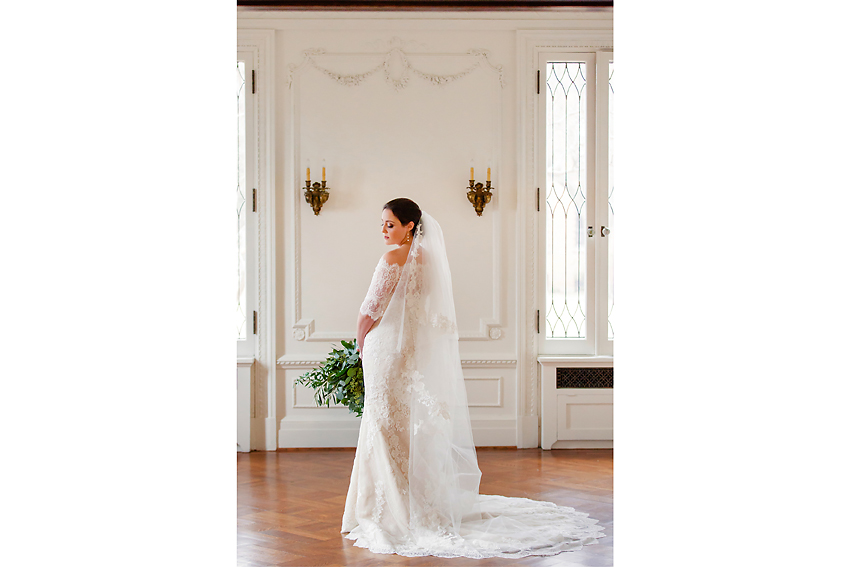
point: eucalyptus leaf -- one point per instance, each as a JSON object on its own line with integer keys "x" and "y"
{"x": 340, "y": 377}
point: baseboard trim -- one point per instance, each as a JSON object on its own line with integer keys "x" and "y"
{"x": 528, "y": 434}
{"x": 308, "y": 449}
{"x": 583, "y": 445}
{"x": 317, "y": 434}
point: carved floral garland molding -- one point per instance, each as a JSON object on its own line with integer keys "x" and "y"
{"x": 401, "y": 81}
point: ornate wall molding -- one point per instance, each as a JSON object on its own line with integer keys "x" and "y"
{"x": 304, "y": 327}
{"x": 293, "y": 362}
{"x": 299, "y": 363}
{"x": 484, "y": 363}
{"x": 496, "y": 391}
{"x": 394, "y": 58}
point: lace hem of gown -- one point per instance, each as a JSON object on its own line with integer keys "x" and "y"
{"x": 509, "y": 528}
{"x": 415, "y": 478}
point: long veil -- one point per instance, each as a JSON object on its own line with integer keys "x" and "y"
{"x": 448, "y": 517}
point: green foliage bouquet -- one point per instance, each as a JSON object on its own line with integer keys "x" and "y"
{"x": 340, "y": 379}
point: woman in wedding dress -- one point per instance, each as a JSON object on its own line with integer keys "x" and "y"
{"x": 414, "y": 483}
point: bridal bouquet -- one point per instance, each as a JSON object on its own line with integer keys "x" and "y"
{"x": 339, "y": 379}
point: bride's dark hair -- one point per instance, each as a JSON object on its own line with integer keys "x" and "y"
{"x": 405, "y": 211}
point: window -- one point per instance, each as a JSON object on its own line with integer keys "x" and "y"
{"x": 241, "y": 213}
{"x": 610, "y": 225}
{"x": 246, "y": 224}
{"x": 574, "y": 170}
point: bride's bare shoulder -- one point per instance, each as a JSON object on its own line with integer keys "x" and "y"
{"x": 397, "y": 256}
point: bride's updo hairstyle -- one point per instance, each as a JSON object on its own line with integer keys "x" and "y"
{"x": 405, "y": 211}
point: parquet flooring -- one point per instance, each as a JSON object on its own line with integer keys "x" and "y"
{"x": 290, "y": 505}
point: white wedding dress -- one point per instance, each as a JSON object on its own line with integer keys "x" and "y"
{"x": 414, "y": 483}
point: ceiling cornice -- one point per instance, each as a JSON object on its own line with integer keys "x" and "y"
{"x": 426, "y": 5}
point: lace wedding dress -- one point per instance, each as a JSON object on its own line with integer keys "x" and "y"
{"x": 414, "y": 483}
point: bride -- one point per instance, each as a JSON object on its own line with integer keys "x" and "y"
{"x": 414, "y": 483}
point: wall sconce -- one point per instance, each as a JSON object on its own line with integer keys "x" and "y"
{"x": 317, "y": 194}
{"x": 479, "y": 194}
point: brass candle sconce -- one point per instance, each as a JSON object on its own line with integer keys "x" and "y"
{"x": 317, "y": 194}
{"x": 479, "y": 194}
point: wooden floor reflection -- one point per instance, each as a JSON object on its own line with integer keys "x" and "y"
{"x": 290, "y": 504}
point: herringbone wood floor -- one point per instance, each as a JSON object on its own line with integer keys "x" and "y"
{"x": 290, "y": 504}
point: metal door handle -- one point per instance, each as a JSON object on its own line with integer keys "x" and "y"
{"x": 605, "y": 231}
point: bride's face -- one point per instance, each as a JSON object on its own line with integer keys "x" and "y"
{"x": 394, "y": 231}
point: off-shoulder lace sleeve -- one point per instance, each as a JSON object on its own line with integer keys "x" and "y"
{"x": 381, "y": 289}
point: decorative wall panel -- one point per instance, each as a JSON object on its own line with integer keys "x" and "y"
{"x": 388, "y": 124}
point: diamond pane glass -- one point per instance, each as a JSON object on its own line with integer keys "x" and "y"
{"x": 610, "y": 200}
{"x": 241, "y": 182}
{"x": 566, "y": 202}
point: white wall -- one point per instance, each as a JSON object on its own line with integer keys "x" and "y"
{"x": 382, "y": 140}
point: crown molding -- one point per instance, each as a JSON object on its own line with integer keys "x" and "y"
{"x": 426, "y": 5}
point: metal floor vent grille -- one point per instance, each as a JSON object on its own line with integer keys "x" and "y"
{"x": 585, "y": 378}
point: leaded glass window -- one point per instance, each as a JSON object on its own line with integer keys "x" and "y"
{"x": 566, "y": 200}
{"x": 611, "y": 200}
{"x": 241, "y": 184}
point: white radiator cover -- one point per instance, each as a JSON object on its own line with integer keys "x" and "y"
{"x": 575, "y": 417}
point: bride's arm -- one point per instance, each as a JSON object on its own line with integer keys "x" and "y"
{"x": 364, "y": 325}
{"x": 380, "y": 290}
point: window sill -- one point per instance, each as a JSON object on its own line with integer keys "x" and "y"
{"x": 575, "y": 360}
